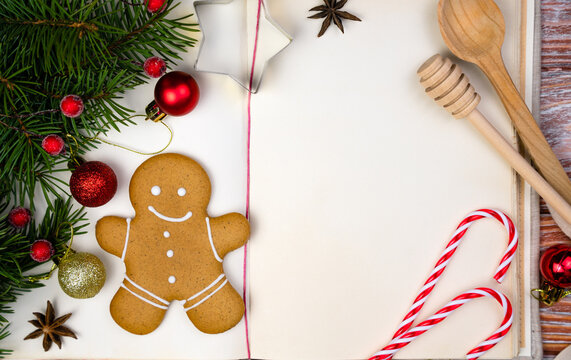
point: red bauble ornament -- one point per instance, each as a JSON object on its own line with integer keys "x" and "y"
{"x": 177, "y": 93}
{"x": 555, "y": 266}
{"x": 93, "y": 184}
{"x": 41, "y": 250}
{"x": 19, "y": 217}
{"x": 155, "y": 5}
{"x": 155, "y": 67}
{"x": 71, "y": 106}
{"x": 53, "y": 144}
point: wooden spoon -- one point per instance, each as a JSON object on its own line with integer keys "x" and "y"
{"x": 474, "y": 31}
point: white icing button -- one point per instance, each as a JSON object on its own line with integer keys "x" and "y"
{"x": 155, "y": 190}
{"x": 181, "y": 191}
{"x": 170, "y": 253}
{"x": 166, "y": 234}
{"x": 172, "y": 279}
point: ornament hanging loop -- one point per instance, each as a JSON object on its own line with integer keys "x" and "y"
{"x": 74, "y": 160}
{"x": 137, "y": 151}
{"x": 56, "y": 261}
{"x": 69, "y": 250}
{"x": 155, "y": 115}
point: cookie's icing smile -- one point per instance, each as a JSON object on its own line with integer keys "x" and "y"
{"x": 168, "y": 218}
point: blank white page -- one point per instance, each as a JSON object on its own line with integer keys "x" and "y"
{"x": 358, "y": 182}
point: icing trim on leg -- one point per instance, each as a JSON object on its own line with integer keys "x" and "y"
{"x": 147, "y": 292}
{"x": 206, "y": 288}
{"x": 207, "y": 296}
{"x": 144, "y": 299}
{"x": 126, "y": 239}
{"x": 211, "y": 241}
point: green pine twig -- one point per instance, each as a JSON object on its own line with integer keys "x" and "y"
{"x": 17, "y": 265}
{"x": 92, "y": 49}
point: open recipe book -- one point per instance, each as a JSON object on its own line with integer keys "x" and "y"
{"x": 358, "y": 180}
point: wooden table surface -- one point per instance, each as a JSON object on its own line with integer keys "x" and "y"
{"x": 556, "y": 125}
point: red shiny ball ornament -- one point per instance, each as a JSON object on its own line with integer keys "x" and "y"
{"x": 155, "y": 67}
{"x": 555, "y": 266}
{"x": 155, "y": 5}
{"x": 93, "y": 184}
{"x": 41, "y": 250}
{"x": 53, "y": 144}
{"x": 71, "y": 106}
{"x": 19, "y": 217}
{"x": 177, "y": 93}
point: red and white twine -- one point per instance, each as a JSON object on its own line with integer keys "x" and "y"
{"x": 401, "y": 336}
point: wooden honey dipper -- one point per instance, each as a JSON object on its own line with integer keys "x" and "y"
{"x": 449, "y": 87}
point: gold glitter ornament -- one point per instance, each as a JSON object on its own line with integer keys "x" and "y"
{"x": 81, "y": 275}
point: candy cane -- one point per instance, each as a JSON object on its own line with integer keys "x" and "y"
{"x": 398, "y": 343}
{"x": 449, "y": 251}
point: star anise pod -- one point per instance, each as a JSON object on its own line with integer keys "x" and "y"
{"x": 50, "y": 327}
{"x": 331, "y": 12}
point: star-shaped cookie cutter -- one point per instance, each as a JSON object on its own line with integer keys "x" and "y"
{"x": 231, "y": 53}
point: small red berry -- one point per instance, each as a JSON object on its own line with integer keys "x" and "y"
{"x": 155, "y": 5}
{"x": 41, "y": 250}
{"x": 155, "y": 67}
{"x": 19, "y": 217}
{"x": 71, "y": 106}
{"x": 53, "y": 144}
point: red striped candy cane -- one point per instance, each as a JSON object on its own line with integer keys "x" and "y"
{"x": 449, "y": 251}
{"x": 398, "y": 343}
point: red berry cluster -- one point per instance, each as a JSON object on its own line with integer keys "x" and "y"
{"x": 155, "y": 67}
{"x": 41, "y": 250}
{"x": 53, "y": 144}
{"x": 154, "y": 6}
{"x": 71, "y": 106}
{"x": 19, "y": 217}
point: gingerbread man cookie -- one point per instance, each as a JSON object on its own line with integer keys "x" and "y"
{"x": 173, "y": 250}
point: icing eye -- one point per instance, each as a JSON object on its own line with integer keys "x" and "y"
{"x": 181, "y": 191}
{"x": 155, "y": 190}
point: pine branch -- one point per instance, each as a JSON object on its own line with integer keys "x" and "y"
{"x": 17, "y": 265}
{"x": 21, "y": 129}
{"x": 57, "y": 23}
{"x": 92, "y": 49}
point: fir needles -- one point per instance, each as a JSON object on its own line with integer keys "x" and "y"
{"x": 49, "y": 49}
